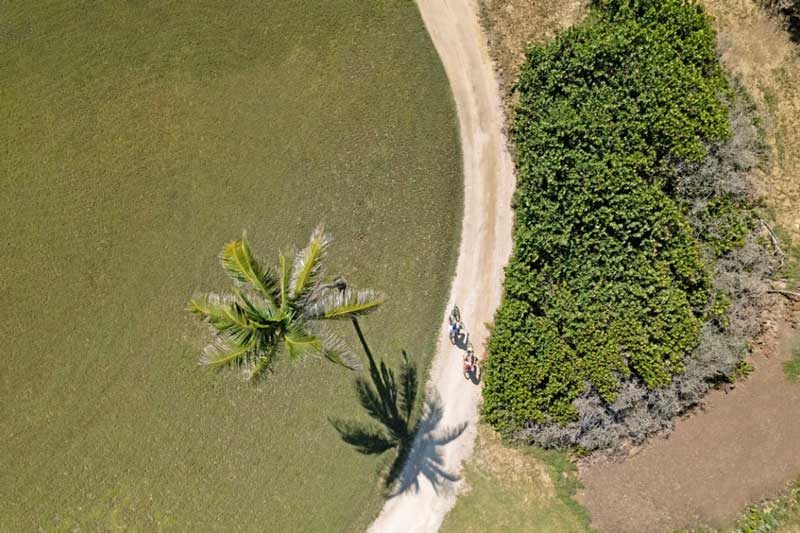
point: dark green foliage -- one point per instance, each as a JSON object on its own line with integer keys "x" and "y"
{"x": 608, "y": 283}
{"x": 740, "y": 282}
{"x": 725, "y": 223}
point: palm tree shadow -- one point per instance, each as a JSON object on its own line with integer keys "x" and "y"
{"x": 391, "y": 403}
{"x": 423, "y": 457}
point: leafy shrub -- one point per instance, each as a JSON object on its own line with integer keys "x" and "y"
{"x": 601, "y": 333}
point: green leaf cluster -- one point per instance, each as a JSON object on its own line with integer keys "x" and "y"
{"x": 725, "y": 223}
{"x": 607, "y": 282}
{"x": 274, "y": 311}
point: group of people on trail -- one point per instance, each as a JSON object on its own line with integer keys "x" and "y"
{"x": 459, "y": 336}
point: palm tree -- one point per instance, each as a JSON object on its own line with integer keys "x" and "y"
{"x": 279, "y": 311}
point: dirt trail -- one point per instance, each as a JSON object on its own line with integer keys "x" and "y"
{"x": 486, "y": 245}
{"x": 743, "y": 447}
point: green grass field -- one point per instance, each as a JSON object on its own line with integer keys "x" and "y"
{"x": 517, "y": 489}
{"x": 135, "y": 139}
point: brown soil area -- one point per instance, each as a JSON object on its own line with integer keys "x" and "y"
{"x": 743, "y": 446}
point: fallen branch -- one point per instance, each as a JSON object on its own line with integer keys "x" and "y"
{"x": 775, "y": 241}
{"x": 788, "y": 294}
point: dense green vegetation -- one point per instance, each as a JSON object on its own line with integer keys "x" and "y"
{"x": 137, "y": 138}
{"x": 616, "y": 240}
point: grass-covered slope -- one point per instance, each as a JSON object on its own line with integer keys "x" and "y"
{"x": 610, "y": 283}
{"x": 136, "y": 139}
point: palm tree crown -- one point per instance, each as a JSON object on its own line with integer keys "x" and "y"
{"x": 278, "y": 311}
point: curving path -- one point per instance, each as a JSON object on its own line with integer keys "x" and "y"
{"x": 430, "y": 477}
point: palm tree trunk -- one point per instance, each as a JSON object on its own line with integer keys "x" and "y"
{"x": 387, "y": 390}
{"x": 363, "y": 340}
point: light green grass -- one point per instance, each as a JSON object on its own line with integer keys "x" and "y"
{"x": 791, "y": 266}
{"x": 517, "y": 489}
{"x": 792, "y": 366}
{"x": 780, "y": 515}
{"x": 135, "y": 139}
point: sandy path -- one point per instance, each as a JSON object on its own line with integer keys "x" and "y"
{"x": 485, "y": 248}
{"x": 743, "y": 447}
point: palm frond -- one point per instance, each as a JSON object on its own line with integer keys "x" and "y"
{"x": 241, "y": 266}
{"x": 367, "y": 440}
{"x": 284, "y": 281}
{"x": 299, "y": 343}
{"x": 210, "y": 306}
{"x": 260, "y": 365}
{"x": 308, "y": 263}
{"x": 336, "y": 350}
{"x": 224, "y": 351}
{"x": 273, "y": 309}
{"x": 257, "y": 311}
{"x": 345, "y": 305}
{"x": 224, "y": 314}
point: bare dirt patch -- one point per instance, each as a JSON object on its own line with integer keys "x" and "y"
{"x": 743, "y": 446}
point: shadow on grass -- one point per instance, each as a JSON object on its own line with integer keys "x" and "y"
{"x": 416, "y": 439}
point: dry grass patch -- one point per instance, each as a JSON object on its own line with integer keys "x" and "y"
{"x": 513, "y": 24}
{"x": 756, "y": 48}
{"x": 513, "y": 489}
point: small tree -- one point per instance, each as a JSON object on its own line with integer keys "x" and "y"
{"x": 279, "y": 311}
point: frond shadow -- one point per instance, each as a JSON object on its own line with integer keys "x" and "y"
{"x": 423, "y": 456}
{"x": 390, "y": 402}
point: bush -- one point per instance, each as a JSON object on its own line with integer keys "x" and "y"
{"x": 615, "y": 317}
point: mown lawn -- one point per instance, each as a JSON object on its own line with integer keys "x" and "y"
{"x": 135, "y": 139}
